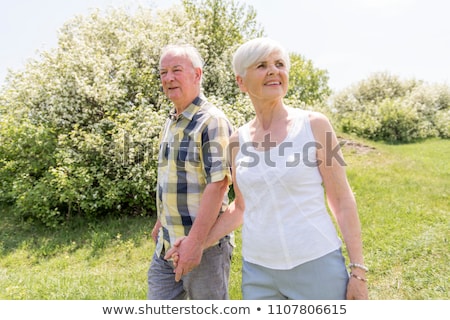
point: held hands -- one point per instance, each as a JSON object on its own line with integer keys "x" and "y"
{"x": 173, "y": 253}
{"x": 186, "y": 255}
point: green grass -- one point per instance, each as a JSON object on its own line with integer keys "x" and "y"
{"x": 403, "y": 200}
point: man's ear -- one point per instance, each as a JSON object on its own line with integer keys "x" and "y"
{"x": 198, "y": 74}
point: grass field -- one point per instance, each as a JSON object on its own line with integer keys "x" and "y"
{"x": 403, "y": 198}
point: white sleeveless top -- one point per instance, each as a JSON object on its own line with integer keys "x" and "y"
{"x": 286, "y": 222}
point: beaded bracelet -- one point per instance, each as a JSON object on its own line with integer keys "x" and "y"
{"x": 358, "y": 277}
{"x": 357, "y": 265}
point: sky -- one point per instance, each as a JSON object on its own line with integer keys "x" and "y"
{"x": 351, "y": 39}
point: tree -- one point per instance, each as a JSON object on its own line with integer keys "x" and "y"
{"x": 221, "y": 25}
{"x": 307, "y": 83}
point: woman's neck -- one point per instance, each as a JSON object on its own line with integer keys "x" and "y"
{"x": 268, "y": 113}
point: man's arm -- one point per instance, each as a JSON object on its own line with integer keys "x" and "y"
{"x": 155, "y": 230}
{"x": 191, "y": 248}
{"x": 229, "y": 220}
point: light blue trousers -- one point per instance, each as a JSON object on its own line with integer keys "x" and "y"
{"x": 325, "y": 278}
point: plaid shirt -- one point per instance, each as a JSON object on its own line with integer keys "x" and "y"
{"x": 192, "y": 153}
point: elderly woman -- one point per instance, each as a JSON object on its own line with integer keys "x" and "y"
{"x": 284, "y": 162}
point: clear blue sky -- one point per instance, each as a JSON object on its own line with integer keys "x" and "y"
{"x": 351, "y": 39}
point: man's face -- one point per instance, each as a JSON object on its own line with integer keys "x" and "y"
{"x": 180, "y": 80}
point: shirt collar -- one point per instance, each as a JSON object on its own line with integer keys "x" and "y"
{"x": 190, "y": 111}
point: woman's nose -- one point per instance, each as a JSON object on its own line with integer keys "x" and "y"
{"x": 272, "y": 69}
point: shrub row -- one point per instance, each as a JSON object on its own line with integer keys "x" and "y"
{"x": 385, "y": 108}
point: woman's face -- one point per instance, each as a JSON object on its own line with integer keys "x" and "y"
{"x": 267, "y": 79}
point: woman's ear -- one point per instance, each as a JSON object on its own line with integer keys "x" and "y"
{"x": 240, "y": 82}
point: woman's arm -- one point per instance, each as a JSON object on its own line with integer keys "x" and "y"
{"x": 340, "y": 198}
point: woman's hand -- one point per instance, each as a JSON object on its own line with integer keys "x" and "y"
{"x": 357, "y": 288}
{"x": 173, "y": 253}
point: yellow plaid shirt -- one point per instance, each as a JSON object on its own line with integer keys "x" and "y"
{"x": 192, "y": 153}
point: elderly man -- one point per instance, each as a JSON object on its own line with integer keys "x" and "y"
{"x": 193, "y": 180}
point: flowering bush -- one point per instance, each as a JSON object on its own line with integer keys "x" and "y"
{"x": 79, "y": 127}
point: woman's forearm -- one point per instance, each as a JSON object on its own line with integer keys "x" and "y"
{"x": 228, "y": 221}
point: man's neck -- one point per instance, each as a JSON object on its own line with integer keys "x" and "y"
{"x": 180, "y": 106}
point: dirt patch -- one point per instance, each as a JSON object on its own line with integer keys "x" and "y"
{"x": 355, "y": 146}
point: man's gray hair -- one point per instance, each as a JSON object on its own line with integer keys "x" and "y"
{"x": 186, "y": 50}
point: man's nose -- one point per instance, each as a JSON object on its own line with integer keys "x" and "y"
{"x": 169, "y": 76}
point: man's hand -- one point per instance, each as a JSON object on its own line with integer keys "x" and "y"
{"x": 187, "y": 253}
{"x": 155, "y": 230}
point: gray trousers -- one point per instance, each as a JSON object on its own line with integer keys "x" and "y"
{"x": 208, "y": 281}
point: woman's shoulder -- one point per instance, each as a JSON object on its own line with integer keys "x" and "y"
{"x": 243, "y": 129}
{"x": 318, "y": 119}
{"x": 320, "y": 125}
{"x": 235, "y": 136}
